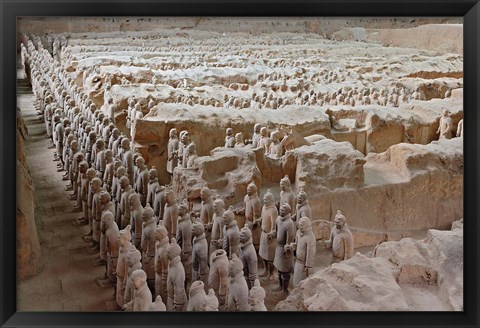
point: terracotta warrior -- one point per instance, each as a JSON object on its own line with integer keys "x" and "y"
{"x": 237, "y": 286}
{"x": 117, "y": 194}
{"x": 125, "y": 247}
{"x": 341, "y": 239}
{"x": 159, "y": 202}
{"x": 184, "y": 239}
{"x": 128, "y": 160}
{"x": 161, "y": 261}
{"x": 239, "y": 143}
{"x": 142, "y": 179}
{"x": 112, "y": 245}
{"x": 134, "y": 262}
{"x": 109, "y": 170}
{"x": 229, "y": 138}
{"x": 125, "y": 208}
{"x": 252, "y": 209}
{"x": 218, "y": 275}
{"x": 85, "y": 179}
{"x": 182, "y": 149}
{"x": 284, "y": 232}
{"x": 256, "y": 297}
{"x": 172, "y": 151}
{"x": 216, "y": 226}
{"x": 147, "y": 245}
{"x": 211, "y": 302}
{"x": 199, "y": 254}
{"x": 446, "y": 125}
{"x": 197, "y": 296}
{"x": 107, "y": 206}
{"x": 158, "y": 305}
{"x": 305, "y": 246}
{"x": 248, "y": 256}
{"x": 177, "y": 297}
{"x": 276, "y": 149}
{"x": 267, "y": 241}
{"x": 170, "y": 213}
{"x": 303, "y": 207}
{"x": 265, "y": 141}
{"x": 286, "y": 194}
{"x": 96, "y": 212}
{"x": 460, "y": 128}
{"x": 191, "y": 155}
{"x": 231, "y": 234}
{"x": 206, "y": 211}
{"x": 256, "y": 135}
{"x": 142, "y": 297}
{"x": 136, "y": 218}
{"x": 152, "y": 186}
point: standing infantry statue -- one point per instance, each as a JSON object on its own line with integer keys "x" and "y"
{"x": 341, "y": 239}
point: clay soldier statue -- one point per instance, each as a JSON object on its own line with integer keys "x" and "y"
{"x": 85, "y": 178}
{"x": 218, "y": 275}
{"x": 141, "y": 183}
{"x": 76, "y": 181}
{"x": 286, "y": 194}
{"x": 96, "y": 212}
{"x": 100, "y": 163}
{"x": 113, "y": 137}
{"x": 142, "y": 297}
{"x": 237, "y": 286}
{"x": 184, "y": 239}
{"x": 285, "y": 235}
{"x": 125, "y": 208}
{"x": 211, "y": 302}
{"x": 117, "y": 193}
{"x": 112, "y": 244}
{"x": 92, "y": 137}
{"x": 206, "y": 211}
{"x": 276, "y": 149}
{"x": 256, "y": 297}
{"x": 256, "y": 135}
{"x": 170, "y": 214}
{"x": 177, "y": 297}
{"x": 128, "y": 160}
{"x": 109, "y": 170}
{"x": 152, "y": 186}
{"x": 172, "y": 151}
{"x": 197, "y": 296}
{"x": 134, "y": 262}
{"x": 216, "y": 226}
{"x": 303, "y": 207}
{"x": 159, "y": 202}
{"x": 248, "y": 256}
{"x": 460, "y": 128}
{"x": 107, "y": 206}
{"x": 239, "y": 143}
{"x": 102, "y": 259}
{"x": 229, "y": 138}
{"x": 125, "y": 247}
{"x": 191, "y": 155}
{"x": 182, "y": 151}
{"x": 148, "y": 246}
{"x": 252, "y": 210}
{"x": 158, "y": 305}
{"x": 267, "y": 241}
{"x": 136, "y": 218}
{"x": 341, "y": 239}
{"x": 161, "y": 261}
{"x": 446, "y": 125}
{"x": 265, "y": 141}
{"x": 231, "y": 234}
{"x": 305, "y": 246}
{"x": 199, "y": 254}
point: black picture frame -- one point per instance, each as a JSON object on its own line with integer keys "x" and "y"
{"x": 468, "y": 9}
